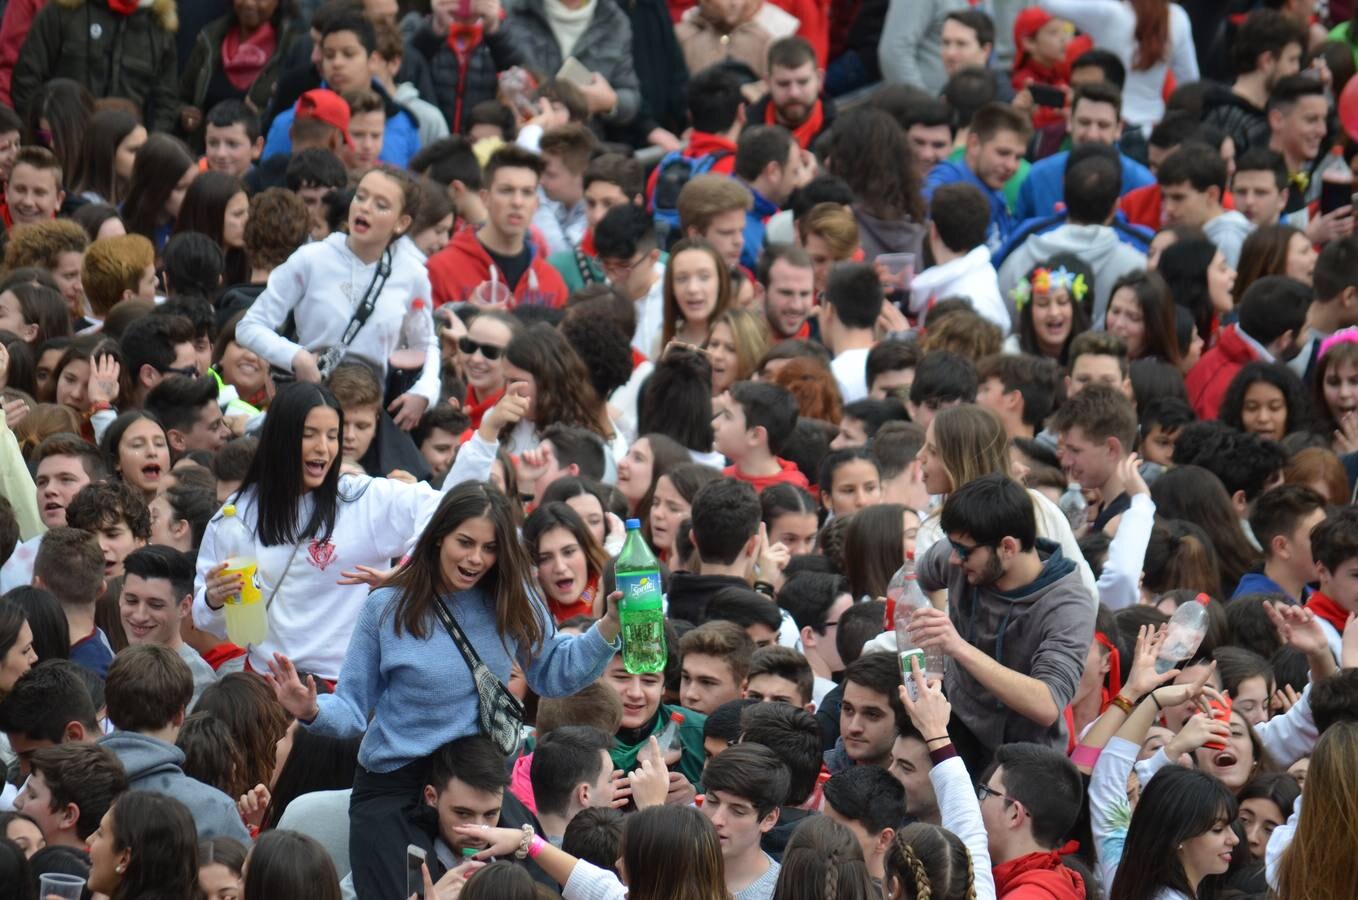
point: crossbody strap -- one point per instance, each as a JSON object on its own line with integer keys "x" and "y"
{"x": 369, "y": 301}
{"x": 454, "y": 630}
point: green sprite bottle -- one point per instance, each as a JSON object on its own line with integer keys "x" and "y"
{"x": 641, "y": 612}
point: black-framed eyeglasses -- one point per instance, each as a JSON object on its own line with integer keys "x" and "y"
{"x": 616, "y": 270}
{"x": 962, "y": 550}
{"x": 468, "y": 346}
{"x": 984, "y": 790}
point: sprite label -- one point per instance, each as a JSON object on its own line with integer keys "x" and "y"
{"x": 643, "y": 622}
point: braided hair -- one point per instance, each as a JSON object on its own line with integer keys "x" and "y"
{"x": 926, "y": 862}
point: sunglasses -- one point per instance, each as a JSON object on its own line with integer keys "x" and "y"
{"x": 469, "y": 347}
{"x": 186, "y": 371}
{"x": 963, "y": 551}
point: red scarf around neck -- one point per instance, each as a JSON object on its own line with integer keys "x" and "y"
{"x": 1326, "y": 609}
{"x": 124, "y": 7}
{"x": 806, "y": 132}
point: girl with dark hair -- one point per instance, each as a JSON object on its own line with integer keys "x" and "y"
{"x": 679, "y": 835}
{"x": 290, "y": 864}
{"x": 313, "y": 762}
{"x": 432, "y": 226}
{"x": 1266, "y": 801}
{"x": 161, "y": 177}
{"x": 139, "y": 451}
{"x": 824, "y": 859}
{"x": 45, "y": 620}
{"x": 790, "y": 516}
{"x": 221, "y": 861}
{"x": 1052, "y": 303}
{"x": 146, "y": 848}
{"x": 33, "y": 312}
{"x": 671, "y": 503}
{"x": 1141, "y": 312}
{"x": 676, "y": 401}
{"x": 216, "y": 205}
{"x": 568, "y": 560}
{"x": 869, "y": 151}
{"x": 16, "y": 877}
{"x": 100, "y": 220}
{"x": 556, "y": 385}
{"x": 241, "y": 370}
{"x": 1274, "y": 250}
{"x": 255, "y": 721}
{"x": 649, "y": 457}
{"x": 17, "y": 655}
{"x": 481, "y": 357}
{"x": 1196, "y": 495}
{"x": 323, "y": 285}
{"x": 697, "y": 290}
{"x": 88, "y": 378}
{"x": 874, "y": 547}
{"x": 105, "y": 172}
{"x": 1179, "y": 556}
{"x": 318, "y": 536}
{"x": 59, "y": 119}
{"x": 589, "y": 499}
{"x": 1200, "y": 279}
{"x": 1267, "y": 399}
{"x": 1334, "y": 390}
{"x": 468, "y": 567}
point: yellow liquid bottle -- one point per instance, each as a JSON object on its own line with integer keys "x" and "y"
{"x": 247, "y": 618}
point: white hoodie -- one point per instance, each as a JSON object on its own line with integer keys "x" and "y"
{"x": 971, "y": 277}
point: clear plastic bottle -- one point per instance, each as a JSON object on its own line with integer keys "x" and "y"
{"x": 642, "y": 611}
{"x": 1187, "y": 627}
{"x": 670, "y": 736}
{"x": 416, "y": 333}
{"x": 904, "y": 596}
{"x": 1073, "y": 504}
{"x": 247, "y": 618}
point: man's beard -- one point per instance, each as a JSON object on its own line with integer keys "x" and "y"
{"x": 993, "y": 571}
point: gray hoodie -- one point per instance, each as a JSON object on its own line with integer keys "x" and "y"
{"x": 1228, "y": 231}
{"x": 153, "y": 765}
{"x": 1041, "y": 630}
{"x": 1098, "y": 245}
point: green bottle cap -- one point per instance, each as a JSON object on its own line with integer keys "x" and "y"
{"x": 469, "y": 852}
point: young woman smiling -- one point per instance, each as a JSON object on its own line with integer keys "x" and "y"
{"x": 324, "y": 283}
{"x": 402, "y": 663}
{"x": 481, "y": 357}
{"x": 649, "y": 457}
{"x": 319, "y": 537}
{"x": 568, "y": 560}
{"x": 697, "y": 291}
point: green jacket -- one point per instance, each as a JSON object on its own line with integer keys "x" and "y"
{"x": 690, "y": 738}
{"x": 112, "y": 55}
{"x": 569, "y": 263}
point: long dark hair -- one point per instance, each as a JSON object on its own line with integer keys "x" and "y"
{"x": 420, "y": 582}
{"x": 276, "y": 470}
{"x": 67, "y": 106}
{"x": 928, "y": 861}
{"x": 823, "y": 859}
{"x": 1157, "y": 313}
{"x": 254, "y": 717}
{"x": 108, "y": 128}
{"x": 549, "y": 516}
{"x": 1281, "y": 377}
{"x": 316, "y": 762}
{"x": 869, "y": 152}
{"x": 686, "y": 840}
{"x": 204, "y": 211}
{"x": 51, "y": 631}
{"x": 1079, "y": 309}
{"x": 874, "y": 549}
{"x": 159, "y": 166}
{"x": 44, "y": 307}
{"x": 676, "y": 400}
{"x": 1264, "y": 252}
{"x": 290, "y": 864}
{"x": 1196, "y": 495}
{"x": 564, "y": 395}
{"x": 1176, "y": 805}
{"x": 108, "y": 445}
{"x": 11, "y": 623}
{"x": 501, "y": 881}
{"x": 159, "y": 831}
{"x": 1183, "y": 265}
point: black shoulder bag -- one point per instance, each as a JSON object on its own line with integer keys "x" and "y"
{"x": 501, "y": 713}
{"x": 328, "y": 359}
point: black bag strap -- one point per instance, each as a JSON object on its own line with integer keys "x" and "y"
{"x": 369, "y": 301}
{"x": 454, "y": 630}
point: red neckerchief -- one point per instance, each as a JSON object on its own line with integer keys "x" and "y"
{"x": 243, "y": 60}
{"x": 1325, "y": 608}
{"x": 475, "y": 408}
{"x": 5, "y": 215}
{"x": 222, "y": 653}
{"x": 637, "y": 358}
{"x": 584, "y": 606}
{"x": 806, "y": 132}
{"x": 1114, "y": 669}
{"x": 463, "y": 40}
{"x": 123, "y": 7}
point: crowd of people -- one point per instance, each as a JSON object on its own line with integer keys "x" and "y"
{"x": 345, "y": 344}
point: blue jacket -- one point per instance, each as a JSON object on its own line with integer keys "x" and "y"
{"x": 1002, "y": 221}
{"x": 1259, "y": 583}
{"x": 1044, "y": 191}
{"x": 755, "y": 218}
{"x": 400, "y": 142}
{"x": 1134, "y": 236}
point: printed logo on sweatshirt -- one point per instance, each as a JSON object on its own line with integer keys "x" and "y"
{"x": 320, "y": 553}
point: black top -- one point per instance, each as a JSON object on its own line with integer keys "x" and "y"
{"x": 512, "y": 267}
{"x": 1120, "y": 504}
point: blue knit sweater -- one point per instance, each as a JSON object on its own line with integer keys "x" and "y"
{"x": 420, "y": 691}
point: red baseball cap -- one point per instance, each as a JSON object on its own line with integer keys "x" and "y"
{"x": 325, "y": 106}
{"x": 1028, "y": 23}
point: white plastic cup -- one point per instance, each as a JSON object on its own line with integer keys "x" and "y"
{"x": 62, "y": 887}
{"x": 901, "y": 268}
{"x": 492, "y": 295}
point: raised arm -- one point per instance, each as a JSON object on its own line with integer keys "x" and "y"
{"x": 1120, "y": 581}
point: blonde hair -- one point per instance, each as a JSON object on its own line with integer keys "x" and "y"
{"x": 114, "y": 265}
{"x": 750, "y": 334}
{"x": 834, "y": 224}
{"x": 42, "y": 244}
{"x": 971, "y": 442}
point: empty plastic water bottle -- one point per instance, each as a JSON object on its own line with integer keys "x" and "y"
{"x": 1073, "y": 504}
{"x": 904, "y": 596}
{"x": 1187, "y": 628}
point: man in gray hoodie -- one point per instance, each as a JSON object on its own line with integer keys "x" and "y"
{"x": 1192, "y": 183}
{"x": 910, "y": 48}
{"x": 1018, "y": 626}
{"x": 146, "y": 691}
{"x": 1091, "y": 185}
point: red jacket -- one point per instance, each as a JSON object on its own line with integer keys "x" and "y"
{"x": 19, "y": 16}
{"x": 1142, "y": 206}
{"x": 1207, "y": 381}
{"x": 790, "y": 474}
{"x": 700, "y": 143}
{"x": 457, "y": 270}
{"x": 1037, "y": 876}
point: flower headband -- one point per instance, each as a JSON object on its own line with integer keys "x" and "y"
{"x": 1342, "y": 336}
{"x": 1044, "y": 280}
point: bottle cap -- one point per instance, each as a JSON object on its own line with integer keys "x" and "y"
{"x": 633, "y": 523}
{"x": 468, "y": 852}
{"x": 418, "y": 303}
{"x": 677, "y": 718}
{"x": 1203, "y": 599}
{"x": 229, "y": 509}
